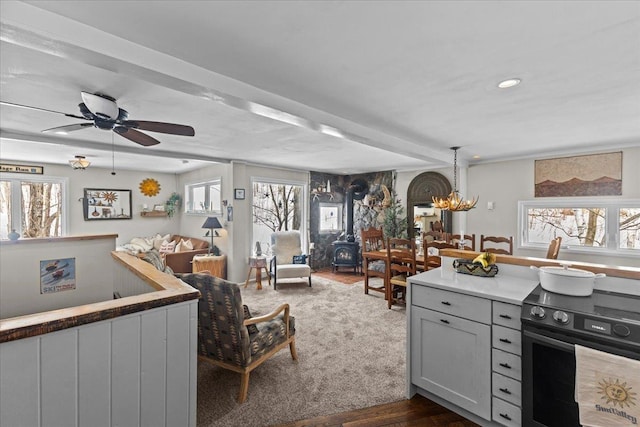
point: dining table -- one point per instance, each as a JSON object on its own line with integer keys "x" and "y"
{"x": 382, "y": 255}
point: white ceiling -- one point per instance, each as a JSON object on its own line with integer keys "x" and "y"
{"x": 400, "y": 81}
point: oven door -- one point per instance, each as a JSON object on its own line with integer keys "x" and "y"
{"x": 548, "y": 376}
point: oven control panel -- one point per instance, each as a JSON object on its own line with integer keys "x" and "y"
{"x": 578, "y": 323}
{"x": 616, "y": 329}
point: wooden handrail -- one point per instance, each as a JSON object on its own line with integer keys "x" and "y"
{"x": 609, "y": 270}
{"x": 168, "y": 290}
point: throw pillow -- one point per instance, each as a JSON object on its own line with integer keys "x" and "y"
{"x": 167, "y": 247}
{"x": 158, "y": 240}
{"x": 299, "y": 259}
{"x": 184, "y": 246}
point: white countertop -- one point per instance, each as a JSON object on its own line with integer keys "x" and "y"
{"x": 509, "y": 289}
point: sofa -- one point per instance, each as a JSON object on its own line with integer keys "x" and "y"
{"x": 175, "y": 250}
{"x": 180, "y": 262}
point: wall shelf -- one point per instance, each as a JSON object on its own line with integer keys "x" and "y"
{"x": 154, "y": 214}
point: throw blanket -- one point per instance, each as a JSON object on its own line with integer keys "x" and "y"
{"x": 607, "y": 388}
{"x": 154, "y": 258}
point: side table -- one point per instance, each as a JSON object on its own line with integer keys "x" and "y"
{"x": 216, "y": 265}
{"x": 257, "y": 263}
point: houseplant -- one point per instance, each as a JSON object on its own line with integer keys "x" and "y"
{"x": 172, "y": 204}
{"x": 395, "y": 220}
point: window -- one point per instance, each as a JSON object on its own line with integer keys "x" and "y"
{"x": 203, "y": 197}
{"x": 34, "y": 206}
{"x": 330, "y": 217}
{"x": 277, "y": 206}
{"x": 589, "y": 225}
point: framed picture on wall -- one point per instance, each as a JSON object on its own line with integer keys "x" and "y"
{"x": 238, "y": 194}
{"x": 101, "y": 204}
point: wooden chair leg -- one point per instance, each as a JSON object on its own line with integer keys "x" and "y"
{"x": 292, "y": 348}
{"x": 244, "y": 387}
{"x": 366, "y": 284}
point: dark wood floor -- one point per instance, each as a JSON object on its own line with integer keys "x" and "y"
{"x": 418, "y": 411}
{"x": 343, "y": 276}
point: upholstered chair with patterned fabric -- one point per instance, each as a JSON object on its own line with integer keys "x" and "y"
{"x": 227, "y": 334}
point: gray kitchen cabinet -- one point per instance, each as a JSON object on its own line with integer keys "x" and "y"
{"x": 507, "y": 372}
{"x": 450, "y": 354}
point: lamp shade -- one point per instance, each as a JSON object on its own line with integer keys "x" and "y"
{"x": 212, "y": 222}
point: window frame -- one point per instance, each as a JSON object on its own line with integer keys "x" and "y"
{"x": 16, "y": 180}
{"x": 612, "y": 225}
{"x": 340, "y": 225}
{"x": 188, "y": 195}
{"x": 304, "y": 213}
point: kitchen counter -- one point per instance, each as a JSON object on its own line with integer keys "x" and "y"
{"x": 509, "y": 289}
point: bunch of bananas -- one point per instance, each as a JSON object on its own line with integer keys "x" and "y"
{"x": 485, "y": 258}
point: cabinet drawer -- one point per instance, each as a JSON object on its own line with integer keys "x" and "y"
{"x": 506, "y": 314}
{"x": 506, "y": 339}
{"x": 507, "y": 364}
{"x": 506, "y": 389}
{"x": 461, "y": 305}
{"x": 506, "y": 414}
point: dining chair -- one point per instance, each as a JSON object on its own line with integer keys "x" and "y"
{"x": 435, "y": 235}
{"x": 432, "y": 253}
{"x": 554, "y": 248}
{"x": 468, "y": 241}
{"x": 402, "y": 264}
{"x": 372, "y": 240}
{"x": 496, "y": 240}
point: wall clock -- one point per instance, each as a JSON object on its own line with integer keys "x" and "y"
{"x": 149, "y": 187}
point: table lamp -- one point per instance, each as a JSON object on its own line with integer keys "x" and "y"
{"x": 212, "y": 223}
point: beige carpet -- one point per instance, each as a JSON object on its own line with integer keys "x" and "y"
{"x": 351, "y": 354}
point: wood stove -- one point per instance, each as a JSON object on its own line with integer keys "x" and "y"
{"x": 346, "y": 253}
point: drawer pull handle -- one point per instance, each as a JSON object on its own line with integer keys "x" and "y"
{"x": 505, "y": 316}
{"x": 506, "y": 416}
{"x": 445, "y": 302}
{"x": 504, "y": 340}
{"x": 444, "y": 321}
{"x": 505, "y": 365}
{"x": 505, "y": 390}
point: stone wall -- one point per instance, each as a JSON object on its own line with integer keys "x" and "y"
{"x": 369, "y": 212}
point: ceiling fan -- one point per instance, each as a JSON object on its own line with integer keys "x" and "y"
{"x": 102, "y": 112}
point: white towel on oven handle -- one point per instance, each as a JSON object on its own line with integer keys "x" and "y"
{"x": 607, "y": 387}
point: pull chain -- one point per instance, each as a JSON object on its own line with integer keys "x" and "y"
{"x": 113, "y": 156}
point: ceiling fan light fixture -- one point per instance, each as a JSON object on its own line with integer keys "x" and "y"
{"x": 79, "y": 163}
{"x": 505, "y": 84}
{"x": 100, "y": 105}
{"x": 454, "y": 202}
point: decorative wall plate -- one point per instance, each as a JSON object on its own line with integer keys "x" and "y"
{"x": 149, "y": 187}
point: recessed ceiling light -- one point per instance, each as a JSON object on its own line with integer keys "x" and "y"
{"x": 509, "y": 83}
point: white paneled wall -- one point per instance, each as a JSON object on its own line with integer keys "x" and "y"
{"x": 128, "y": 284}
{"x": 134, "y": 370}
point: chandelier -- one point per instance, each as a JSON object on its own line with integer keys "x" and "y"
{"x": 79, "y": 163}
{"x": 454, "y": 202}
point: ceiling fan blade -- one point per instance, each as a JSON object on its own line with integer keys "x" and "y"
{"x": 135, "y": 136}
{"x": 63, "y": 130}
{"x": 159, "y": 127}
{"x": 11, "y": 104}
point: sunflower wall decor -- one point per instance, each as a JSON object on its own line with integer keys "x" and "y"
{"x": 149, "y": 187}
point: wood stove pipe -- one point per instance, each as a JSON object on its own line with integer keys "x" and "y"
{"x": 356, "y": 191}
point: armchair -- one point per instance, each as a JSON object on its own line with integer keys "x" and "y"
{"x": 285, "y": 245}
{"x": 227, "y": 334}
